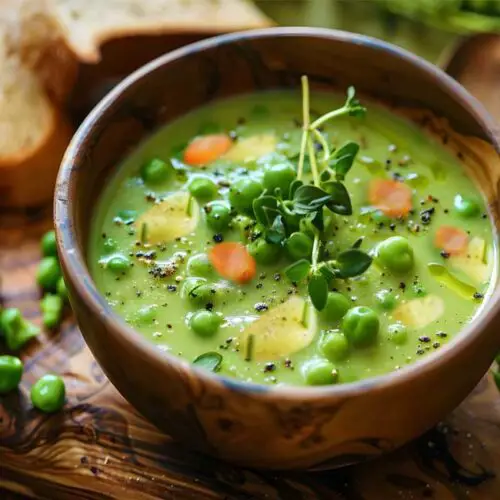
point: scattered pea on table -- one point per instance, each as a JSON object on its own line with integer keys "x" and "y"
{"x": 11, "y": 371}
{"x": 48, "y": 393}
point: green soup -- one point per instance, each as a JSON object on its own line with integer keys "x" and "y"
{"x": 206, "y": 243}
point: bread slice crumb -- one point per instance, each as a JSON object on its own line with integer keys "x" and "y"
{"x": 86, "y": 24}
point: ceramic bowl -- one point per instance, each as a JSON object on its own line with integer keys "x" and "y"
{"x": 255, "y": 425}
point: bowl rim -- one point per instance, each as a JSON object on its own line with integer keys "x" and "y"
{"x": 74, "y": 261}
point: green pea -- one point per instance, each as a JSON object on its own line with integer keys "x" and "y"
{"x": 189, "y": 284}
{"x": 205, "y": 323}
{"x": 154, "y": 172}
{"x": 465, "y": 206}
{"x": 398, "y": 333}
{"x": 203, "y": 188}
{"x": 10, "y": 320}
{"x": 386, "y": 300}
{"x": 320, "y": 372}
{"x": 11, "y": 371}
{"x": 264, "y": 252}
{"x": 118, "y": 264}
{"x": 199, "y": 265}
{"x": 203, "y": 294}
{"x": 52, "y": 308}
{"x": 16, "y": 329}
{"x": 243, "y": 192}
{"x": 61, "y": 289}
{"x": 334, "y": 345}
{"x": 244, "y": 225}
{"x": 48, "y": 393}
{"x": 299, "y": 246}
{"x": 49, "y": 272}
{"x": 218, "y": 215}
{"x": 147, "y": 314}
{"x": 361, "y": 325}
{"x": 49, "y": 245}
{"x": 110, "y": 245}
{"x": 280, "y": 177}
{"x": 395, "y": 254}
{"x": 337, "y": 305}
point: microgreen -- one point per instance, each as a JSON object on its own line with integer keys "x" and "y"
{"x": 308, "y": 203}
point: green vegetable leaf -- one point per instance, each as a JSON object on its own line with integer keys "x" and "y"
{"x": 340, "y": 202}
{"x": 358, "y": 242}
{"x": 308, "y": 199}
{"x": 298, "y": 270}
{"x": 342, "y": 159}
{"x": 265, "y": 209}
{"x": 327, "y": 271}
{"x": 293, "y": 187}
{"x": 210, "y": 361}
{"x": 353, "y": 105}
{"x": 352, "y": 263}
{"x": 318, "y": 290}
{"x": 276, "y": 233}
{"x": 318, "y": 220}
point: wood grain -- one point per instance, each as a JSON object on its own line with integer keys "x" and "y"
{"x": 99, "y": 447}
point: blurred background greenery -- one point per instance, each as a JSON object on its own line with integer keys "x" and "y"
{"x": 430, "y": 28}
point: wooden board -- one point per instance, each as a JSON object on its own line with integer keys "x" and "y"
{"x": 99, "y": 447}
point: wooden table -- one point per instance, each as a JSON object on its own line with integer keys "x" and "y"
{"x": 100, "y": 447}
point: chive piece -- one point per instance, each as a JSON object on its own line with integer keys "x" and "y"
{"x": 250, "y": 348}
{"x": 144, "y": 233}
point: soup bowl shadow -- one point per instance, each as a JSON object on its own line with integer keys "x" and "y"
{"x": 249, "y": 424}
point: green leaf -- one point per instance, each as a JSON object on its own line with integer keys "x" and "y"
{"x": 352, "y": 263}
{"x": 354, "y": 106}
{"x": 325, "y": 176}
{"x": 276, "y": 233}
{"x": 358, "y": 242}
{"x": 340, "y": 202}
{"x": 265, "y": 209}
{"x": 318, "y": 291}
{"x": 318, "y": 220}
{"x": 293, "y": 187}
{"x": 298, "y": 270}
{"x": 342, "y": 159}
{"x": 308, "y": 199}
{"x": 210, "y": 361}
{"x": 327, "y": 271}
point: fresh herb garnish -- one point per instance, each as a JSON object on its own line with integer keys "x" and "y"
{"x": 279, "y": 214}
{"x": 144, "y": 233}
{"x": 210, "y": 361}
{"x": 249, "y": 348}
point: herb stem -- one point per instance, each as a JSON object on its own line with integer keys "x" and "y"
{"x": 314, "y": 165}
{"x": 344, "y": 110}
{"x": 321, "y": 139}
{"x": 315, "y": 250}
{"x": 305, "y": 125}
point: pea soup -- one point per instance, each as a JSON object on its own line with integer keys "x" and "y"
{"x": 281, "y": 238}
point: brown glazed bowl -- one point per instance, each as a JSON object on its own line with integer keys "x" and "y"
{"x": 255, "y": 425}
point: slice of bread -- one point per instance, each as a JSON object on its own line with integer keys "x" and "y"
{"x": 33, "y": 132}
{"x": 86, "y": 24}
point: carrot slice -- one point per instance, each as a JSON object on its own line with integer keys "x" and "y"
{"x": 232, "y": 261}
{"x": 451, "y": 239}
{"x": 393, "y": 198}
{"x": 206, "y": 149}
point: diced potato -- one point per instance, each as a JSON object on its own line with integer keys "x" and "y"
{"x": 280, "y": 331}
{"x": 251, "y": 148}
{"x": 174, "y": 217}
{"x": 417, "y": 313}
{"x": 473, "y": 263}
